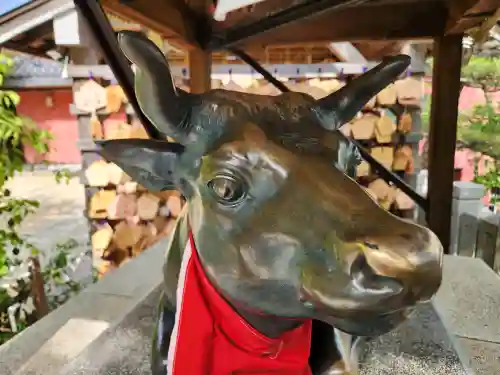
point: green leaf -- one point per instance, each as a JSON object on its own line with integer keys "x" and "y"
{"x": 4, "y": 270}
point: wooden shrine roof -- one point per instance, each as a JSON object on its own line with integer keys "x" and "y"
{"x": 344, "y": 20}
{"x": 29, "y": 30}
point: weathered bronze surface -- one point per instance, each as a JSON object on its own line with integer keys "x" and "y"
{"x": 281, "y": 227}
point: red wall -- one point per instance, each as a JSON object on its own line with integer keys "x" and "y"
{"x": 56, "y": 119}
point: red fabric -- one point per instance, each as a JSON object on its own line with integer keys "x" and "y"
{"x": 210, "y": 338}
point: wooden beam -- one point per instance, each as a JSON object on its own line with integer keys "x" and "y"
{"x": 282, "y": 70}
{"x": 395, "y": 22}
{"x": 465, "y": 14}
{"x": 168, "y": 18}
{"x": 442, "y": 134}
{"x": 417, "y": 52}
{"x": 346, "y": 52}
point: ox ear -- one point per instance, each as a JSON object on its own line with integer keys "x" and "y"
{"x": 166, "y": 106}
{"x": 150, "y": 163}
{"x": 341, "y": 106}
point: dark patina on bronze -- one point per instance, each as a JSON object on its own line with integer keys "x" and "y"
{"x": 282, "y": 228}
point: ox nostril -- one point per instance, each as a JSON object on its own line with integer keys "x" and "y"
{"x": 370, "y": 245}
{"x": 365, "y": 278}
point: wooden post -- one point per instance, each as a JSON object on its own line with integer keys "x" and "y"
{"x": 443, "y": 133}
{"x": 200, "y": 62}
{"x": 200, "y": 70}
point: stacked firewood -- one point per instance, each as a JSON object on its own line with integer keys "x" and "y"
{"x": 125, "y": 219}
{"x": 383, "y": 127}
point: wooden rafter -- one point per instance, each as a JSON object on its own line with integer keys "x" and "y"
{"x": 466, "y": 14}
{"x": 171, "y": 19}
{"x": 385, "y": 22}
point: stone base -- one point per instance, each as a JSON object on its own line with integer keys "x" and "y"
{"x": 419, "y": 346}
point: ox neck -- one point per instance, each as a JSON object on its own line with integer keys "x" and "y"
{"x": 270, "y": 326}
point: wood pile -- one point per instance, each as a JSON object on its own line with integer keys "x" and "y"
{"x": 383, "y": 128}
{"x": 125, "y": 219}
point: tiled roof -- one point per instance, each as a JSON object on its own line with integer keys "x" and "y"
{"x": 30, "y": 67}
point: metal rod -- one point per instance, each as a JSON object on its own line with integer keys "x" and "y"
{"x": 260, "y": 69}
{"x": 103, "y": 33}
{"x": 383, "y": 172}
{"x": 237, "y": 34}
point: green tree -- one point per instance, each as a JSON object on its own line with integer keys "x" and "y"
{"x": 18, "y": 257}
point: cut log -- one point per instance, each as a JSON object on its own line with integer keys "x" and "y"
{"x": 99, "y": 203}
{"x": 129, "y": 187}
{"x": 380, "y": 188}
{"x": 384, "y": 155}
{"x": 133, "y": 220}
{"x": 174, "y": 204}
{"x": 384, "y": 129}
{"x": 410, "y": 91}
{"x": 127, "y": 235}
{"x": 150, "y": 234}
{"x": 148, "y": 206}
{"x": 118, "y": 131}
{"x": 405, "y": 124}
{"x": 403, "y": 201}
{"x": 89, "y": 96}
{"x": 97, "y": 174}
{"x": 402, "y": 157}
{"x": 387, "y": 96}
{"x": 363, "y": 169}
{"x": 165, "y": 194}
{"x": 101, "y": 240}
{"x": 314, "y": 91}
{"x": 96, "y": 128}
{"x": 116, "y": 175}
{"x": 388, "y": 201}
{"x": 160, "y": 222}
{"x": 122, "y": 207}
{"x": 331, "y": 85}
{"x": 115, "y": 98}
{"x": 164, "y": 211}
{"x": 364, "y": 127}
{"x": 138, "y": 131}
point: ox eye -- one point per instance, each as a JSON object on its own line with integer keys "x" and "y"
{"x": 227, "y": 190}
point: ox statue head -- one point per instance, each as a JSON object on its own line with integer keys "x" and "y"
{"x": 280, "y": 225}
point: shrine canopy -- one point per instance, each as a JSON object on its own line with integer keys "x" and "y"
{"x": 271, "y": 22}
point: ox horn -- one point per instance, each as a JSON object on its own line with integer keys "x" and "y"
{"x": 156, "y": 92}
{"x": 340, "y": 106}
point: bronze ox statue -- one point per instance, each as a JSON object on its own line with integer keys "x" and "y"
{"x": 275, "y": 226}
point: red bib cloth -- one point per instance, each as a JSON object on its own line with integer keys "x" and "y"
{"x": 210, "y": 338}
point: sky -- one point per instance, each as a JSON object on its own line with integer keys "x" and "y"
{"x": 8, "y": 5}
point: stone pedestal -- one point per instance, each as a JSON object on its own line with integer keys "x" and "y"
{"x": 420, "y": 346}
{"x": 465, "y": 208}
